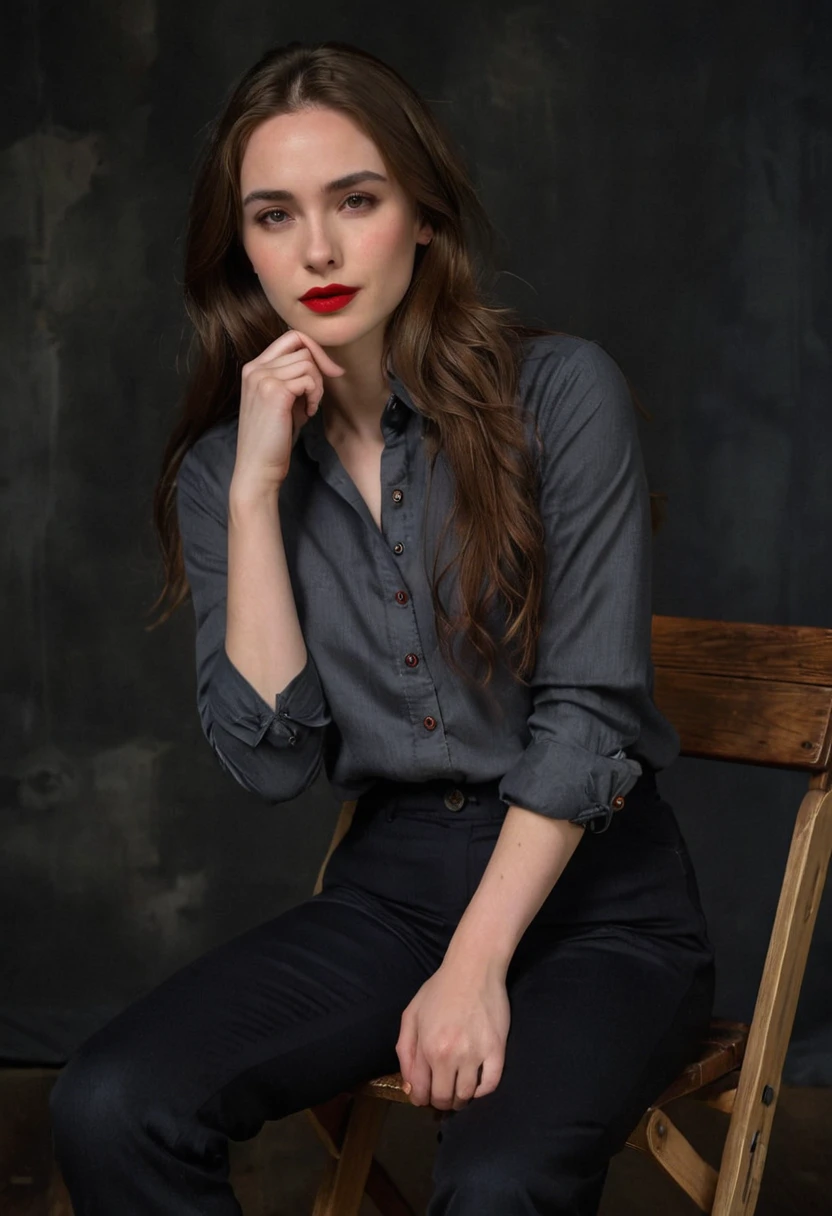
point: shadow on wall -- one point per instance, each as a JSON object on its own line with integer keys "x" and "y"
{"x": 83, "y": 857}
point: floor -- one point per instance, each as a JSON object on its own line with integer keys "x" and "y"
{"x": 276, "y": 1174}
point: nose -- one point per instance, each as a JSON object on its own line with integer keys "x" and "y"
{"x": 319, "y": 247}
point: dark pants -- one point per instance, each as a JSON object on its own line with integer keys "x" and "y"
{"x": 610, "y": 989}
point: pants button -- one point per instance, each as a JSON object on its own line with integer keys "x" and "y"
{"x": 455, "y": 800}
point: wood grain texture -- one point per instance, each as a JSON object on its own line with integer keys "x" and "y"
{"x": 793, "y": 654}
{"x": 765, "y": 722}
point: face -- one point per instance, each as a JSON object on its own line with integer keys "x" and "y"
{"x": 360, "y": 234}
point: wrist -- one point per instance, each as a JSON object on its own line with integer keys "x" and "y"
{"x": 248, "y": 496}
{"x": 475, "y": 957}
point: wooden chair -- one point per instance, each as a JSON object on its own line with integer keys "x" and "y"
{"x": 747, "y": 693}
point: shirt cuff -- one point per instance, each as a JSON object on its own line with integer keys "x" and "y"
{"x": 240, "y": 709}
{"x": 565, "y": 781}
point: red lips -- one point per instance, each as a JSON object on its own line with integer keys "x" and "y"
{"x": 334, "y": 289}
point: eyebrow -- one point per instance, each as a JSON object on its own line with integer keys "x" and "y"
{"x": 341, "y": 183}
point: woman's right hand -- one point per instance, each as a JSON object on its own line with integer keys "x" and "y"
{"x": 281, "y": 390}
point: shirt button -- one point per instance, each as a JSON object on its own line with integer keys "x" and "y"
{"x": 411, "y": 659}
{"x": 617, "y": 802}
{"x": 292, "y": 740}
{"x": 455, "y": 800}
{"x": 398, "y": 547}
{"x": 401, "y": 597}
{"x": 397, "y": 496}
{"x": 429, "y": 723}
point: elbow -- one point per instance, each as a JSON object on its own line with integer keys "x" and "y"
{"x": 275, "y": 772}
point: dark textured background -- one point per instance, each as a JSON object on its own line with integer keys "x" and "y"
{"x": 660, "y": 178}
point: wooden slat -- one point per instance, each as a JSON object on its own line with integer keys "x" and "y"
{"x": 330, "y": 1120}
{"x": 342, "y": 826}
{"x": 749, "y": 721}
{"x": 659, "y": 1136}
{"x": 341, "y": 1192}
{"x": 720, "y": 1053}
{"x": 720, "y": 1095}
{"x": 793, "y": 654}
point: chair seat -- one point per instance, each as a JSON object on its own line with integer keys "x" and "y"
{"x": 721, "y": 1051}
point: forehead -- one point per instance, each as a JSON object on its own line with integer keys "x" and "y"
{"x": 311, "y": 143}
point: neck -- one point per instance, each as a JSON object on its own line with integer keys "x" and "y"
{"x": 352, "y": 404}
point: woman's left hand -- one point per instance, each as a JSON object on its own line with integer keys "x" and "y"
{"x": 456, "y": 1024}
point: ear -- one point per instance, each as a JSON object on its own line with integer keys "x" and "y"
{"x": 424, "y": 230}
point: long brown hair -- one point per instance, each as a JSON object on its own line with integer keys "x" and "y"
{"x": 458, "y": 355}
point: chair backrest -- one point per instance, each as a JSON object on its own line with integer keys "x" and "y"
{"x": 759, "y": 694}
{"x": 755, "y": 694}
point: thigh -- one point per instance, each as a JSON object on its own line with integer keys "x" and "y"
{"x": 636, "y": 876}
{"x": 602, "y": 1020}
{"x": 279, "y": 1018}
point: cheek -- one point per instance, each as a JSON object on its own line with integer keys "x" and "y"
{"x": 267, "y": 255}
{"x": 384, "y": 244}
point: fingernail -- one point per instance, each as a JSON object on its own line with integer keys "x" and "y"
{"x": 407, "y": 1087}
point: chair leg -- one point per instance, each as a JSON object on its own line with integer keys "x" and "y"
{"x": 661, "y": 1139}
{"x": 345, "y": 1179}
{"x": 329, "y": 1120}
{"x": 746, "y": 1143}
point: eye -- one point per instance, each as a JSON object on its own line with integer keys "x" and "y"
{"x": 261, "y": 219}
{"x": 367, "y": 198}
{"x": 363, "y": 198}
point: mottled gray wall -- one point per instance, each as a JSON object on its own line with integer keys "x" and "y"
{"x": 660, "y": 178}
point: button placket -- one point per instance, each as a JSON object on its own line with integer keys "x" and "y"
{"x": 397, "y": 474}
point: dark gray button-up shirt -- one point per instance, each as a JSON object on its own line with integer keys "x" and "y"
{"x": 375, "y": 698}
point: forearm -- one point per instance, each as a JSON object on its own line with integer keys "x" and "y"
{"x": 531, "y": 853}
{"x": 263, "y": 636}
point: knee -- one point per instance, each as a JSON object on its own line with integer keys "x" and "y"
{"x": 489, "y": 1177}
{"x": 484, "y": 1188}
{"x": 491, "y": 1188}
{"x": 93, "y": 1103}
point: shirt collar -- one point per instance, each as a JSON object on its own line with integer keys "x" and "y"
{"x": 312, "y": 433}
{"x": 400, "y": 389}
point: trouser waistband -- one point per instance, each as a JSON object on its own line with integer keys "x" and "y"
{"x": 444, "y": 793}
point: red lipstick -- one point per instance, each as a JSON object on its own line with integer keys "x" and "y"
{"x": 328, "y": 299}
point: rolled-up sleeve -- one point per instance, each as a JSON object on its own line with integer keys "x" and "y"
{"x": 275, "y": 751}
{"x": 592, "y": 674}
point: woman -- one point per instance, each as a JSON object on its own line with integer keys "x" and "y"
{"x": 378, "y": 493}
